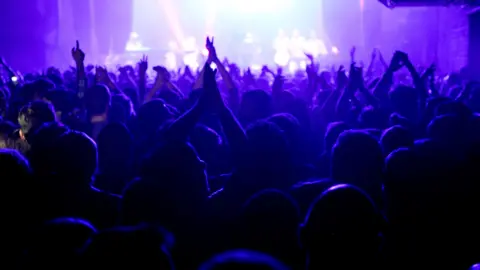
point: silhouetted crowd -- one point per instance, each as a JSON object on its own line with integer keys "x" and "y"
{"x": 327, "y": 168}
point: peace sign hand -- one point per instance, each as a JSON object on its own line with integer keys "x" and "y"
{"x": 212, "y": 53}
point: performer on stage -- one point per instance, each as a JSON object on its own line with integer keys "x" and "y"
{"x": 297, "y": 46}
{"x": 191, "y": 53}
{"x": 171, "y": 56}
{"x": 250, "y": 50}
{"x": 135, "y": 44}
{"x": 315, "y": 46}
{"x": 281, "y": 47}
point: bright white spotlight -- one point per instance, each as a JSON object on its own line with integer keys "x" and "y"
{"x": 191, "y": 61}
{"x": 322, "y": 48}
{"x": 191, "y": 52}
{"x": 170, "y": 61}
{"x": 303, "y": 65}
{"x": 292, "y": 67}
{"x": 281, "y": 47}
{"x": 282, "y": 58}
{"x": 255, "y": 67}
{"x": 134, "y": 44}
{"x": 335, "y": 50}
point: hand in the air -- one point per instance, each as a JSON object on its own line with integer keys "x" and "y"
{"x": 211, "y": 100}
{"x": 162, "y": 72}
{"x": 309, "y": 56}
{"x": 374, "y": 54}
{"x": 265, "y": 69}
{"x": 143, "y": 64}
{"x": 341, "y": 77}
{"x": 77, "y": 54}
{"x": 163, "y": 75}
{"x": 352, "y": 53}
{"x": 399, "y": 60}
{"x": 431, "y": 70}
{"x": 356, "y": 77}
{"x": 212, "y": 52}
{"x": 187, "y": 71}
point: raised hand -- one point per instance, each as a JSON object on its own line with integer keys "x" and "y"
{"x": 380, "y": 56}
{"x": 398, "y": 61}
{"x": 143, "y": 64}
{"x": 266, "y": 69}
{"x": 211, "y": 99}
{"x": 309, "y": 56}
{"x": 352, "y": 53}
{"x": 77, "y": 54}
{"x": 429, "y": 72}
{"x": 356, "y": 80}
{"x": 187, "y": 72}
{"x": 341, "y": 77}
{"x": 163, "y": 72}
{"x": 212, "y": 52}
{"x": 163, "y": 76}
{"x": 374, "y": 54}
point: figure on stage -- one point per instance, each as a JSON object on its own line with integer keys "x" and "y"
{"x": 297, "y": 47}
{"x": 315, "y": 46}
{"x": 281, "y": 47}
{"x": 250, "y": 50}
{"x": 135, "y": 44}
{"x": 191, "y": 53}
{"x": 171, "y": 62}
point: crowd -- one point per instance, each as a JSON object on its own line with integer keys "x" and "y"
{"x": 327, "y": 168}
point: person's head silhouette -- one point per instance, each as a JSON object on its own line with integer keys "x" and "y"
{"x": 343, "y": 222}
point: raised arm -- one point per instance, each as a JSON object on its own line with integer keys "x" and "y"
{"x": 142, "y": 78}
{"x": 312, "y": 75}
{"x": 382, "y": 60}
{"x": 101, "y": 76}
{"x": 428, "y": 77}
{"x": 233, "y": 95}
{"x": 369, "y": 72}
{"x": 162, "y": 82}
{"x": 79, "y": 57}
{"x": 347, "y": 98}
{"x": 383, "y": 86}
{"x": 7, "y": 68}
{"x": 212, "y": 98}
{"x": 199, "y": 82}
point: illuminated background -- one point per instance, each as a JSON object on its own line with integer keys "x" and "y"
{"x": 435, "y": 34}
{"x": 159, "y": 21}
